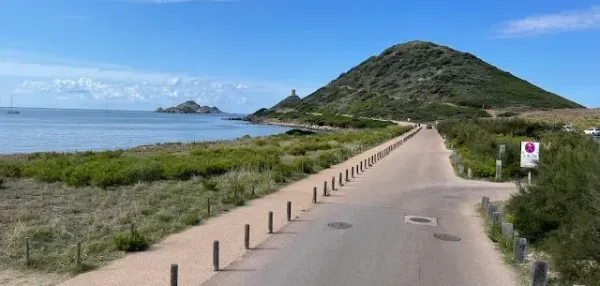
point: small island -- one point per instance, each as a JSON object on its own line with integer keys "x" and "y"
{"x": 190, "y": 106}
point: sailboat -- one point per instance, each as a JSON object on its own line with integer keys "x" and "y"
{"x": 12, "y": 110}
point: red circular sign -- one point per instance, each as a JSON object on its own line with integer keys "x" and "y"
{"x": 530, "y": 147}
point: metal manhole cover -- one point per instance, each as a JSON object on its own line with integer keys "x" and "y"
{"x": 446, "y": 237}
{"x": 420, "y": 219}
{"x": 339, "y": 225}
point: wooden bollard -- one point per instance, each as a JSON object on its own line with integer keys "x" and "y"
{"x": 208, "y": 206}
{"x": 490, "y": 210}
{"x": 496, "y": 216}
{"x": 174, "y": 270}
{"x": 27, "y": 260}
{"x": 519, "y": 249}
{"x": 340, "y": 180}
{"x": 216, "y": 255}
{"x": 247, "y": 236}
{"x": 314, "y": 198}
{"x": 540, "y": 273}
{"x": 289, "y": 211}
{"x": 357, "y": 169}
{"x": 485, "y": 201}
{"x": 325, "y": 188}
{"x": 361, "y": 166}
{"x": 78, "y": 257}
{"x": 508, "y": 230}
{"x": 347, "y": 178}
{"x": 270, "y": 222}
{"x": 333, "y": 183}
{"x": 352, "y": 172}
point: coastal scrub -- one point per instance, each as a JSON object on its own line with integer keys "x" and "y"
{"x": 57, "y": 200}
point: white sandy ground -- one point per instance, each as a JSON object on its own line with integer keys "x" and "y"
{"x": 192, "y": 248}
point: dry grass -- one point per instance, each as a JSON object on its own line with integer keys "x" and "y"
{"x": 580, "y": 118}
{"x": 55, "y": 216}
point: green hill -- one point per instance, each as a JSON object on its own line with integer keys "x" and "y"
{"x": 425, "y": 81}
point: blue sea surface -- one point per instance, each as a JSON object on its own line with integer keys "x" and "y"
{"x": 36, "y": 130}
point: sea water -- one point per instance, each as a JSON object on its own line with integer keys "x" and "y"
{"x": 36, "y": 130}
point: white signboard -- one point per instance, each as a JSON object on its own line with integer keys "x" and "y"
{"x": 530, "y": 154}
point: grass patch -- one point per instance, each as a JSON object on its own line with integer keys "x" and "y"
{"x": 162, "y": 189}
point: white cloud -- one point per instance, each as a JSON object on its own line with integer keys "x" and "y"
{"x": 24, "y": 69}
{"x": 549, "y": 23}
{"x": 39, "y": 81}
{"x": 178, "y": 89}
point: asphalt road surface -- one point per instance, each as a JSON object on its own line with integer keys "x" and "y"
{"x": 383, "y": 246}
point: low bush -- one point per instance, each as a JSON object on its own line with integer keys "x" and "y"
{"x": 130, "y": 241}
{"x": 299, "y": 132}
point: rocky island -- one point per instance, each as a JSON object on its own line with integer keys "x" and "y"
{"x": 190, "y": 106}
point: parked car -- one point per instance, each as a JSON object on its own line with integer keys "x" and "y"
{"x": 429, "y": 126}
{"x": 592, "y": 131}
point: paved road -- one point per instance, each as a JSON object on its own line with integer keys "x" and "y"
{"x": 380, "y": 248}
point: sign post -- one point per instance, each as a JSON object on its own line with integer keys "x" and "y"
{"x": 502, "y": 151}
{"x": 498, "y": 169}
{"x": 530, "y": 155}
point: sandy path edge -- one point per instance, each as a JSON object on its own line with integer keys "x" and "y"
{"x": 192, "y": 248}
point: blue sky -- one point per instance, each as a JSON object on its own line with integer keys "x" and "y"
{"x": 245, "y": 54}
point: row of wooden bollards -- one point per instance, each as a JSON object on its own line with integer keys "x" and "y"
{"x": 369, "y": 161}
{"x": 539, "y": 271}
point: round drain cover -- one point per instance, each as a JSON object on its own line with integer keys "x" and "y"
{"x": 446, "y": 237}
{"x": 420, "y": 219}
{"x": 339, "y": 225}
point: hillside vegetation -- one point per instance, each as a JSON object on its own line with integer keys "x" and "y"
{"x": 316, "y": 120}
{"x": 559, "y": 213}
{"x": 425, "y": 81}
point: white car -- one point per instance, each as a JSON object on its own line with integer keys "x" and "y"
{"x": 592, "y": 131}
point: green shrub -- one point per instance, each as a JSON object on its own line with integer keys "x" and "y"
{"x": 130, "y": 242}
{"x": 282, "y": 173}
{"x": 326, "y": 159}
{"x": 10, "y": 169}
{"x": 299, "y": 132}
{"x": 560, "y": 212}
{"x": 304, "y": 164}
{"x": 209, "y": 185}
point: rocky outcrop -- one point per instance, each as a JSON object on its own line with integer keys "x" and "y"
{"x": 190, "y": 106}
{"x": 287, "y": 103}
